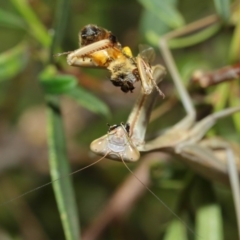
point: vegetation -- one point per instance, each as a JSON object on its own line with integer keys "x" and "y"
{"x": 51, "y": 112}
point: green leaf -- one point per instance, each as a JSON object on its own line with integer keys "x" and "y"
{"x": 150, "y": 29}
{"x": 234, "y": 47}
{"x": 165, "y": 11}
{"x": 59, "y": 84}
{"x": 89, "y": 101}
{"x": 10, "y": 20}
{"x": 235, "y": 101}
{"x": 60, "y": 26}
{"x": 53, "y": 83}
{"x": 176, "y": 230}
{"x": 36, "y": 28}
{"x": 209, "y": 224}
{"x": 13, "y": 61}
{"x": 222, "y": 90}
{"x": 223, "y": 9}
{"x": 60, "y": 169}
{"x": 195, "y": 38}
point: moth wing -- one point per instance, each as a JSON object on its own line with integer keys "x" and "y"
{"x": 145, "y": 73}
{"x": 147, "y": 53}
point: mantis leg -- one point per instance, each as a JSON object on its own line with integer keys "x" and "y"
{"x": 232, "y": 161}
{"x": 201, "y": 128}
{"x": 204, "y": 161}
{"x": 184, "y": 96}
{"x": 235, "y": 185}
{"x": 139, "y": 117}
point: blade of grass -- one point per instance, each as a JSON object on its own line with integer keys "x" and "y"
{"x": 59, "y": 166}
{"x": 60, "y": 25}
{"x": 209, "y": 223}
{"x": 150, "y": 30}
{"x": 165, "y": 11}
{"x": 223, "y": 92}
{"x": 88, "y": 101}
{"x": 7, "y": 19}
{"x": 235, "y": 42}
{"x": 176, "y": 230}
{"x": 13, "y": 61}
{"x": 235, "y": 101}
{"x": 54, "y": 83}
{"x": 223, "y": 9}
{"x": 37, "y": 29}
{"x": 195, "y": 38}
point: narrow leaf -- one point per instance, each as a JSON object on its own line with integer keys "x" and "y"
{"x": 59, "y": 168}
{"x": 60, "y": 26}
{"x": 209, "y": 223}
{"x": 195, "y": 38}
{"x": 59, "y": 84}
{"x": 13, "y": 61}
{"x": 89, "y": 101}
{"x": 223, "y": 9}
{"x": 234, "y": 48}
{"x": 176, "y": 230}
{"x": 150, "y": 29}
{"x": 165, "y": 11}
{"x": 54, "y": 83}
{"x": 36, "y": 28}
{"x": 223, "y": 92}
{"x": 235, "y": 101}
{"x": 8, "y": 19}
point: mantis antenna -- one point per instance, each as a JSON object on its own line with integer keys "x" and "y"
{"x": 49, "y": 183}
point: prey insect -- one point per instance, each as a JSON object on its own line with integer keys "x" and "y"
{"x": 100, "y": 48}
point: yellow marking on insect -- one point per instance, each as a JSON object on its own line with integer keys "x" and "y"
{"x": 127, "y": 51}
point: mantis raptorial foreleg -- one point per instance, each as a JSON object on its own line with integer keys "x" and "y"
{"x": 121, "y": 143}
{"x": 100, "y": 48}
{"x": 139, "y": 117}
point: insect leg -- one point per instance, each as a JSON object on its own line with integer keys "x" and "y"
{"x": 185, "y": 98}
{"x": 72, "y": 58}
{"x": 200, "y": 129}
{"x": 139, "y": 117}
{"x": 232, "y": 158}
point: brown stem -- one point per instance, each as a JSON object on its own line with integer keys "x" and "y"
{"x": 218, "y": 76}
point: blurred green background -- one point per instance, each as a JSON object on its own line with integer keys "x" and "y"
{"x": 31, "y": 33}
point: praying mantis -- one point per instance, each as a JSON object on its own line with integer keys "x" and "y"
{"x": 213, "y": 158}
